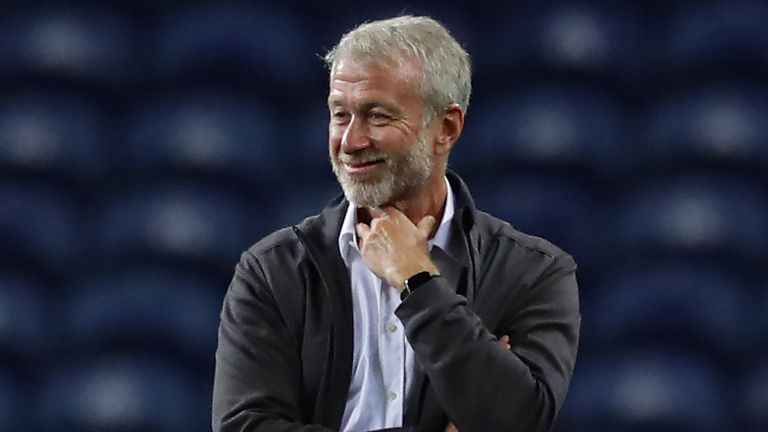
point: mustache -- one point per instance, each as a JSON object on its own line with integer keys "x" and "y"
{"x": 362, "y": 157}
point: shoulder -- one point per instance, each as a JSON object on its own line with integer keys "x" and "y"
{"x": 281, "y": 239}
{"x": 508, "y": 241}
{"x": 533, "y": 270}
{"x": 283, "y": 243}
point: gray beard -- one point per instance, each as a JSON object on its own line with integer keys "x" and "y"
{"x": 401, "y": 177}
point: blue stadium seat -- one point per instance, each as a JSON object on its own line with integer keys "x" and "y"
{"x": 696, "y": 215}
{"x": 85, "y": 43}
{"x": 722, "y": 35}
{"x": 760, "y": 305}
{"x": 561, "y": 127}
{"x": 756, "y": 398}
{"x": 695, "y": 305}
{"x": 41, "y": 224}
{"x": 52, "y": 132}
{"x": 15, "y": 400}
{"x": 309, "y": 150}
{"x": 189, "y": 222}
{"x": 204, "y": 132}
{"x": 561, "y": 209}
{"x": 308, "y": 198}
{"x": 123, "y": 394}
{"x": 28, "y": 320}
{"x": 571, "y": 37}
{"x": 647, "y": 390}
{"x": 723, "y": 124}
{"x": 153, "y": 310}
{"x": 261, "y": 40}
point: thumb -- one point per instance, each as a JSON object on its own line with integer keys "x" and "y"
{"x": 425, "y": 225}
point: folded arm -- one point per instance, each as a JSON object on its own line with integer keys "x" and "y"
{"x": 481, "y": 385}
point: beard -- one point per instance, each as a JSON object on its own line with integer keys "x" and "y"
{"x": 402, "y": 175}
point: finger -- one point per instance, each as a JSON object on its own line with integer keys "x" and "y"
{"x": 451, "y": 428}
{"x": 394, "y": 213}
{"x": 363, "y": 231}
{"x": 378, "y": 212}
{"x": 505, "y": 341}
{"x": 425, "y": 225}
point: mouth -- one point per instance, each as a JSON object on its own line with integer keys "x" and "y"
{"x": 362, "y": 167}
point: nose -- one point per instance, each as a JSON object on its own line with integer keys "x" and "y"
{"x": 355, "y": 136}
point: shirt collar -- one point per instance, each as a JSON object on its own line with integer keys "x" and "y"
{"x": 348, "y": 235}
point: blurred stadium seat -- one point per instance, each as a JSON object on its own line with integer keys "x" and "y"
{"x": 756, "y": 398}
{"x": 157, "y": 311}
{"x": 695, "y": 306}
{"x": 306, "y": 200}
{"x": 122, "y": 394}
{"x": 720, "y": 35}
{"x": 559, "y": 208}
{"x": 647, "y": 390}
{"x": 760, "y": 305}
{"x": 561, "y": 38}
{"x": 28, "y": 321}
{"x": 560, "y": 127}
{"x": 86, "y": 43}
{"x": 144, "y": 145}
{"x": 236, "y": 38}
{"x": 179, "y": 222}
{"x": 309, "y": 143}
{"x": 714, "y": 125}
{"x": 14, "y": 399}
{"x": 695, "y": 215}
{"x": 204, "y": 133}
{"x": 40, "y": 225}
{"x": 52, "y": 133}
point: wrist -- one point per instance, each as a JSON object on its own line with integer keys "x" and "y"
{"x": 411, "y": 271}
{"x": 414, "y": 282}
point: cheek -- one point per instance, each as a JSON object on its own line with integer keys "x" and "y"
{"x": 391, "y": 139}
{"x": 334, "y": 139}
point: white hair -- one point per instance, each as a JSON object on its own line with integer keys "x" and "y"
{"x": 446, "y": 75}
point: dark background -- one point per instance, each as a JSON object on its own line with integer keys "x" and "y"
{"x": 144, "y": 145}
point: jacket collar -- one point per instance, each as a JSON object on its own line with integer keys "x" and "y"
{"x": 323, "y": 230}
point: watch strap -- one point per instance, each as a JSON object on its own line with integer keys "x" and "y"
{"x": 414, "y": 282}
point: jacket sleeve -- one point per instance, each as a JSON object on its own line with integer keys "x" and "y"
{"x": 481, "y": 385}
{"x": 257, "y": 381}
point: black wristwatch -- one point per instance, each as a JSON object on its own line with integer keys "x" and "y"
{"x": 414, "y": 282}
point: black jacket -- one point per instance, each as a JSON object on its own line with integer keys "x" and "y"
{"x": 284, "y": 358}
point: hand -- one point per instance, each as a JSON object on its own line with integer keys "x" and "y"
{"x": 396, "y": 249}
{"x": 504, "y": 341}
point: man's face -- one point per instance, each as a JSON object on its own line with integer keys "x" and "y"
{"x": 379, "y": 149}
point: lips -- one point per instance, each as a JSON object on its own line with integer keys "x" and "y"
{"x": 362, "y": 167}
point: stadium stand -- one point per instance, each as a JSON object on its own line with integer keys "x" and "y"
{"x": 144, "y": 145}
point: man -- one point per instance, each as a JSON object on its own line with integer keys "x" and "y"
{"x": 386, "y": 309}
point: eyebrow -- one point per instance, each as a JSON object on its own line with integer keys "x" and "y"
{"x": 332, "y": 102}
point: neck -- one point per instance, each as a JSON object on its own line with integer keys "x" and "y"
{"x": 429, "y": 201}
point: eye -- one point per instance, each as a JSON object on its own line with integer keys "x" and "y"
{"x": 379, "y": 117}
{"x": 339, "y": 116}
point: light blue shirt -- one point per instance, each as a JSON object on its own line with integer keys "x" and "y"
{"x": 383, "y": 361}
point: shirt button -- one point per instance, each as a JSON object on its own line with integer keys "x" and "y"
{"x": 391, "y": 395}
{"x": 391, "y": 327}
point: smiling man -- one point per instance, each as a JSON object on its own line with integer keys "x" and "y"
{"x": 400, "y": 306}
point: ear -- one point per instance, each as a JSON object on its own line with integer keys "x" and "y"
{"x": 451, "y": 123}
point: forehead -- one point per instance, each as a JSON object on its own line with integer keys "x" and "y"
{"x": 354, "y": 82}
